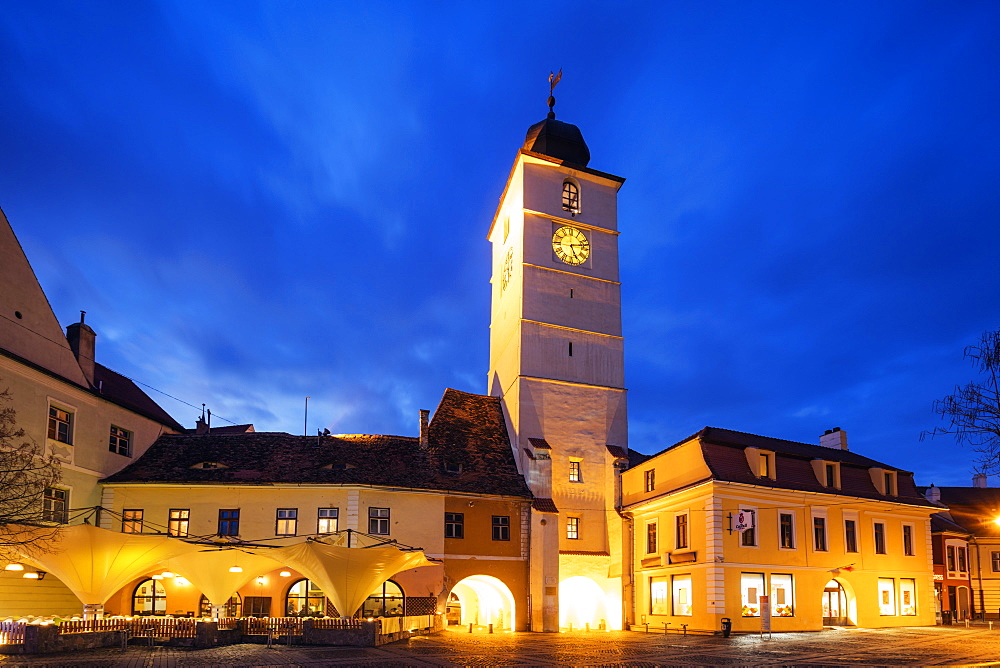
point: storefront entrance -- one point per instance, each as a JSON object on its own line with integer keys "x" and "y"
{"x": 834, "y": 605}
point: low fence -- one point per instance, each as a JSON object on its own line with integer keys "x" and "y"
{"x": 153, "y": 627}
{"x": 12, "y": 633}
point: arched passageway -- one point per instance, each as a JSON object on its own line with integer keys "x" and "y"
{"x": 582, "y": 602}
{"x": 483, "y": 600}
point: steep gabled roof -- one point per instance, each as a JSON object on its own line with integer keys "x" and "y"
{"x": 122, "y": 391}
{"x": 467, "y": 429}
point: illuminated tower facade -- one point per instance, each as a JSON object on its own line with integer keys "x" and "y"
{"x": 556, "y": 359}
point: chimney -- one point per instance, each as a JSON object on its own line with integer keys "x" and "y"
{"x": 81, "y": 339}
{"x": 933, "y": 494}
{"x": 834, "y": 438}
{"x": 979, "y": 480}
{"x": 424, "y": 415}
{"x": 200, "y": 426}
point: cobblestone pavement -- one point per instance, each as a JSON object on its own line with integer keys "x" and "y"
{"x": 925, "y": 646}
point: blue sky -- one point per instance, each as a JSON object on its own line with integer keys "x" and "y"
{"x": 259, "y": 202}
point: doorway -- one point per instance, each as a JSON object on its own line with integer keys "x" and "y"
{"x": 834, "y": 605}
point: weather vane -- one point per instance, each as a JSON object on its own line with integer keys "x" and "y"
{"x": 553, "y": 80}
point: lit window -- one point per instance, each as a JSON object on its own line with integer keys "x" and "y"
{"x": 60, "y": 425}
{"x": 121, "y": 441}
{"x": 178, "y": 522}
{"x": 650, "y": 480}
{"x": 766, "y": 470}
{"x": 659, "y": 599}
{"x": 682, "y": 595}
{"x": 782, "y": 595}
{"x": 574, "y": 471}
{"x": 908, "y": 540}
{"x": 571, "y": 197}
{"x": 501, "y": 527}
{"x": 886, "y": 596}
{"x": 752, "y": 588}
{"x": 681, "y": 541}
{"x": 229, "y": 522}
{"x": 907, "y": 597}
{"x": 304, "y": 599}
{"x": 572, "y": 528}
{"x": 786, "y": 531}
{"x": 55, "y": 504}
{"x": 378, "y": 521}
{"x": 995, "y": 559}
{"x": 149, "y": 598}
{"x": 286, "y": 521}
{"x": 651, "y": 547}
{"x": 132, "y": 521}
{"x": 454, "y": 525}
{"x": 819, "y": 534}
{"x": 327, "y": 520}
{"x": 879, "y": 538}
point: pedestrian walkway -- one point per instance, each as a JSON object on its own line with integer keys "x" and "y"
{"x": 925, "y": 646}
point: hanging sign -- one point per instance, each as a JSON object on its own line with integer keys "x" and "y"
{"x": 744, "y": 520}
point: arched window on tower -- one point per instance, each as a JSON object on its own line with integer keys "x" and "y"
{"x": 571, "y": 197}
{"x": 149, "y": 598}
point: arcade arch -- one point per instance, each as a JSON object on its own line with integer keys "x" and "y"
{"x": 582, "y": 602}
{"x": 483, "y": 600}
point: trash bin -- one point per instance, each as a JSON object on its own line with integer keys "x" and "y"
{"x": 727, "y": 627}
{"x": 946, "y": 617}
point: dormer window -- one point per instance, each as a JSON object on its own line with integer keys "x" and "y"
{"x": 339, "y": 466}
{"x": 571, "y": 197}
{"x": 827, "y": 473}
{"x": 452, "y": 467}
{"x": 890, "y": 483}
{"x": 766, "y": 465}
{"x": 831, "y": 475}
{"x": 209, "y": 465}
{"x": 885, "y": 482}
{"x": 762, "y": 462}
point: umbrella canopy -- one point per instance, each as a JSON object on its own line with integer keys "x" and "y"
{"x": 348, "y": 575}
{"x": 209, "y": 571}
{"x": 94, "y": 563}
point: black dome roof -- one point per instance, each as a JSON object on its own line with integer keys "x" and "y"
{"x": 558, "y": 140}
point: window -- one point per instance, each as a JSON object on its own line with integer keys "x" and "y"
{"x": 782, "y": 595}
{"x": 178, "y": 522}
{"x": 132, "y": 521}
{"x": 501, "y": 527}
{"x": 60, "y": 425}
{"x": 386, "y": 601}
{"x": 681, "y": 535}
{"x": 682, "y": 595}
{"x": 572, "y": 528}
{"x": 752, "y": 587}
{"x": 786, "y": 531}
{"x": 748, "y": 537}
{"x": 574, "y": 471}
{"x": 886, "y": 596}
{"x": 454, "y": 525}
{"x": 766, "y": 469}
{"x": 907, "y": 597}
{"x": 650, "y": 480}
{"x": 908, "y": 540}
{"x": 452, "y": 467}
{"x": 327, "y": 520}
{"x": 995, "y": 559}
{"x": 378, "y": 521}
{"x": 55, "y": 504}
{"x": 819, "y": 534}
{"x": 149, "y": 598}
{"x": 304, "y": 599}
{"x": 879, "y": 538}
{"x": 961, "y": 560}
{"x": 831, "y": 475}
{"x": 951, "y": 557}
{"x": 121, "y": 441}
{"x": 651, "y": 547}
{"x": 850, "y": 535}
{"x": 890, "y": 483}
{"x": 571, "y": 197}
{"x": 286, "y": 521}
{"x": 570, "y": 348}
{"x": 229, "y": 522}
{"x": 257, "y": 606}
{"x": 658, "y": 597}
{"x": 232, "y": 608}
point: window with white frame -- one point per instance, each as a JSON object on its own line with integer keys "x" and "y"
{"x": 120, "y": 441}
{"x": 378, "y": 521}
{"x": 819, "y": 533}
{"x": 786, "y": 531}
{"x": 60, "y": 425}
{"x": 132, "y": 520}
{"x": 879, "y": 531}
{"x": 651, "y": 546}
{"x": 748, "y": 537}
{"x": 575, "y": 473}
{"x": 55, "y": 505}
{"x": 286, "y": 521}
{"x": 907, "y": 597}
{"x": 782, "y": 595}
{"x": 995, "y": 561}
{"x": 572, "y": 528}
{"x": 886, "y": 596}
{"x": 178, "y": 521}
{"x": 908, "y": 540}
{"x": 327, "y": 520}
{"x": 650, "y": 480}
{"x": 751, "y": 588}
{"x": 850, "y": 535}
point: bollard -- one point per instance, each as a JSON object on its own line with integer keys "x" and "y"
{"x": 571, "y": 627}
{"x": 470, "y": 627}
{"x": 966, "y": 622}
{"x": 991, "y": 625}
{"x": 685, "y": 627}
{"x": 491, "y": 629}
{"x": 647, "y": 627}
{"x": 665, "y": 625}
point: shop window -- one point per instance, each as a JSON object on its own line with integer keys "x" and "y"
{"x": 886, "y": 596}
{"x": 149, "y": 598}
{"x": 658, "y": 596}
{"x": 682, "y": 595}
{"x": 305, "y": 599}
{"x": 257, "y": 606}
{"x": 907, "y": 597}
{"x": 751, "y": 588}
{"x": 782, "y": 595}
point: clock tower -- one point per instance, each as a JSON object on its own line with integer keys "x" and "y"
{"x": 557, "y": 362}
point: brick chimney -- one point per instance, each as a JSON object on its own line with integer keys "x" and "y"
{"x": 424, "y": 415}
{"x": 82, "y": 341}
{"x": 835, "y": 438}
{"x": 979, "y": 480}
{"x": 933, "y": 494}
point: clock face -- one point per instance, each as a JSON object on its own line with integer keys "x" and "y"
{"x": 571, "y": 245}
{"x": 508, "y": 269}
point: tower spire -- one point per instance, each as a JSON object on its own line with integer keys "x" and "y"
{"x": 553, "y": 80}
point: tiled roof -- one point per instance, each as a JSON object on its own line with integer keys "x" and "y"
{"x": 974, "y": 508}
{"x": 233, "y": 429}
{"x": 724, "y": 452}
{"x": 468, "y": 429}
{"x": 119, "y": 389}
{"x": 617, "y": 451}
{"x": 544, "y": 506}
{"x": 540, "y": 443}
{"x": 943, "y": 522}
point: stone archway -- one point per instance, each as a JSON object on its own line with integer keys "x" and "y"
{"x": 484, "y": 600}
{"x": 839, "y": 604}
{"x": 582, "y": 602}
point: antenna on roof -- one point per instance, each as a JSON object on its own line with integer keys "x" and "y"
{"x": 305, "y": 420}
